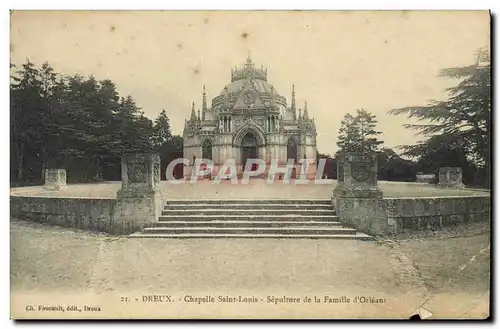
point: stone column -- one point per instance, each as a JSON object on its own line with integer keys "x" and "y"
{"x": 357, "y": 198}
{"x": 450, "y": 177}
{"x": 139, "y": 201}
{"x": 55, "y": 179}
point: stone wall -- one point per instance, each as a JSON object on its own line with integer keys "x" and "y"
{"x": 138, "y": 202}
{"x": 81, "y": 213}
{"x": 410, "y": 214}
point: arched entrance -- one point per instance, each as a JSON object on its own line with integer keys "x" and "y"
{"x": 292, "y": 153}
{"x": 249, "y": 150}
{"x": 206, "y": 149}
{"x": 292, "y": 149}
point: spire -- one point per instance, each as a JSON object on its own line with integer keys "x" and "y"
{"x": 306, "y": 115}
{"x": 294, "y": 110}
{"x": 193, "y": 114}
{"x": 249, "y": 63}
{"x": 225, "y": 97}
{"x": 300, "y": 114}
{"x": 272, "y": 97}
{"x": 184, "y": 132}
{"x": 204, "y": 104}
{"x": 199, "y": 117}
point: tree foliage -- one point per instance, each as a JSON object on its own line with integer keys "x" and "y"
{"x": 457, "y": 130}
{"x": 463, "y": 119}
{"x": 358, "y": 133}
{"x": 392, "y": 167}
{"x": 170, "y": 147}
{"x": 72, "y": 122}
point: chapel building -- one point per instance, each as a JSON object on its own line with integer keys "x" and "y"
{"x": 250, "y": 119}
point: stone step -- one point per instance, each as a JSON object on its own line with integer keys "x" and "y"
{"x": 252, "y": 217}
{"x": 289, "y": 230}
{"x": 239, "y": 211}
{"x": 245, "y": 223}
{"x": 357, "y": 236}
{"x": 249, "y": 201}
{"x": 202, "y": 205}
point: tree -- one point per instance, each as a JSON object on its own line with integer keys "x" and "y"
{"x": 161, "y": 130}
{"x": 357, "y": 133}
{"x": 32, "y": 105}
{"x": 72, "y": 122}
{"x": 392, "y": 167}
{"x": 171, "y": 150}
{"x": 463, "y": 119}
{"x": 348, "y": 133}
{"x": 134, "y": 131}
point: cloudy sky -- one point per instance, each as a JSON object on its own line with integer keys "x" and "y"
{"x": 338, "y": 61}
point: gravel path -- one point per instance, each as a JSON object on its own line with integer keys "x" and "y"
{"x": 53, "y": 262}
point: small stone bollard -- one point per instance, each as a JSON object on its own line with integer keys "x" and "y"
{"x": 425, "y": 178}
{"x": 55, "y": 179}
{"x": 450, "y": 177}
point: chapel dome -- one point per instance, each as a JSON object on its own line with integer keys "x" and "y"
{"x": 256, "y": 76}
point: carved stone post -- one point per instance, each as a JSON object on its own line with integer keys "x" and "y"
{"x": 450, "y": 177}
{"x": 357, "y": 198}
{"x": 139, "y": 201}
{"x": 55, "y": 179}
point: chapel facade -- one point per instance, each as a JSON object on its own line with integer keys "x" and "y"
{"x": 250, "y": 119}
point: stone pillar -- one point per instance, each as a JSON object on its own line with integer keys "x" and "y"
{"x": 357, "y": 198}
{"x": 450, "y": 177}
{"x": 55, "y": 179}
{"x": 139, "y": 201}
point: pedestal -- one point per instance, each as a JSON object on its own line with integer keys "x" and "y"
{"x": 55, "y": 179}
{"x": 450, "y": 177}
{"x": 139, "y": 201}
{"x": 357, "y": 198}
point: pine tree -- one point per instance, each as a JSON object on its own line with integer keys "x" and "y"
{"x": 70, "y": 121}
{"x": 161, "y": 130}
{"x": 464, "y": 119}
{"x": 357, "y": 133}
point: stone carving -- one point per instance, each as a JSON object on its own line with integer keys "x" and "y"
{"x": 51, "y": 176}
{"x": 361, "y": 171}
{"x": 55, "y": 179}
{"x": 140, "y": 175}
{"x": 137, "y": 173}
{"x": 455, "y": 175}
{"x": 450, "y": 177}
{"x": 357, "y": 176}
{"x": 249, "y": 97}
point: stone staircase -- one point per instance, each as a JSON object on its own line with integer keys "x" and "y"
{"x": 311, "y": 219}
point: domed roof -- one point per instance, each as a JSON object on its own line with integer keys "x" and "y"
{"x": 257, "y": 77}
{"x": 260, "y": 85}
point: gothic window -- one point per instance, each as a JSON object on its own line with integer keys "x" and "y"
{"x": 206, "y": 149}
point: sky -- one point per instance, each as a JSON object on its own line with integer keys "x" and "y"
{"x": 338, "y": 61}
